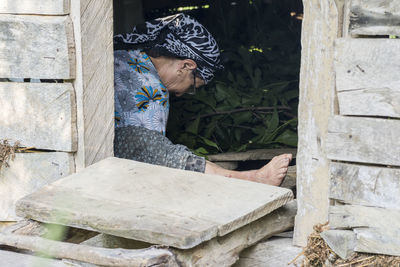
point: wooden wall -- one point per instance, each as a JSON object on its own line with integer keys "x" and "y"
{"x": 66, "y": 114}
{"x": 362, "y": 139}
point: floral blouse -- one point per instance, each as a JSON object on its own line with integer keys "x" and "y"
{"x": 140, "y": 97}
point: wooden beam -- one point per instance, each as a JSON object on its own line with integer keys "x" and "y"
{"x": 9, "y": 258}
{"x": 371, "y": 240}
{"x": 39, "y": 115}
{"x": 342, "y": 242}
{"x": 375, "y": 17}
{"x": 365, "y": 140}
{"x": 257, "y": 154}
{"x": 27, "y": 173}
{"x": 40, "y": 47}
{"x": 94, "y": 85}
{"x": 41, "y": 7}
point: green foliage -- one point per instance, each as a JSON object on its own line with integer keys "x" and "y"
{"x": 253, "y": 102}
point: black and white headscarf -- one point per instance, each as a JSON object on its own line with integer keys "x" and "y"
{"x": 180, "y": 35}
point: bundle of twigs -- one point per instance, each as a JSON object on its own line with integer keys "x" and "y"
{"x": 318, "y": 254}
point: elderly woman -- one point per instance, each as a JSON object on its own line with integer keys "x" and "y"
{"x": 176, "y": 55}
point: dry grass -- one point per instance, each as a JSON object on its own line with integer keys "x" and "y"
{"x": 318, "y": 254}
{"x": 7, "y": 152}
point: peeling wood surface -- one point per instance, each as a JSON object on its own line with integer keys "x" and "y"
{"x": 367, "y": 64}
{"x": 153, "y": 203}
{"x": 39, "y": 115}
{"x": 41, "y": 7}
{"x": 366, "y": 140}
{"x": 40, "y": 47}
{"x": 26, "y": 174}
{"x": 317, "y": 92}
{"x": 384, "y": 102}
{"x": 355, "y": 216}
{"x": 375, "y": 17}
{"x": 95, "y": 85}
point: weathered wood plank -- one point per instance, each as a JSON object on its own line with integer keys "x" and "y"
{"x": 40, "y": 115}
{"x": 364, "y": 140}
{"x": 26, "y": 174}
{"x": 41, "y": 7}
{"x": 342, "y": 242}
{"x": 365, "y": 185}
{"x": 354, "y": 216}
{"x": 39, "y": 47}
{"x": 375, "y": 17}
{"x": 219, "y": 251}
{"x": 95, "y": 82}
{"x": 8, "y": 258}
{"x": 257, "y": 154}
{"x": 153, "y": 203}
{"x": 276, "y": 252}
{"x": 321, "y": 24}
{"x": 377, "y": 241}
{"x": 101, "y": 256}
{"x": 383, "y": 102}
{"x": 367, "y": 64}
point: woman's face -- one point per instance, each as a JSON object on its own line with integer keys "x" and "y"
{"x": 178, "y": 78}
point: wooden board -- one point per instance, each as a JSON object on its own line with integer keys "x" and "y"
{"x": 342, "y": 242}
{"x": 93, "y": 22}
{"x": 321, "y": 26}
{"x": 39, "y": 47}
{"x": 384, "y": 102}
{"x": 355, "y": 216}
{"x": 41, "y": 7}
{"x": 375, "y": 17}
{"x": 152, "y": 203}
{"x": 275, "y": 252}
{"x": 257, "y": 154}
{"x": 365, "y": 185}
{"x": 40, "y": 115}
{"x": 26, "y": 174}
{"x": 377, "y": 241}
{"x": 367, "y": 64}
{"x": 364, "y": 140}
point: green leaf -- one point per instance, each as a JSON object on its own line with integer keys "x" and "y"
{"x": 241, "y": 117}
{"x": 273, "y": 122}
{"x": 201, "y": 151}
{"x": 220, "y": 92}
{"x": 288, "y": 137}
{"x": 193, "y": 126}
{"x": 209, "y": 142}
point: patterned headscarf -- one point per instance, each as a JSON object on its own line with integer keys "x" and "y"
{"x": 180, "y": 35}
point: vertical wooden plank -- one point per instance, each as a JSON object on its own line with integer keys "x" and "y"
{"x": 39, "y": 7}
{"x": 320, "y": 28}
{"x": 93, "y": 23}
{"x": 36, "y": 47}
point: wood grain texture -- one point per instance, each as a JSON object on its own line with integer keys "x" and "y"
{"x": 40, "y": 115}
{"x": 39, "y": 47}
{"x": 257, "y": 154}
{"x": 9, "y": 258}
{"x": 152, "y": 203}
{"x": 95, "y": 88}
{"x": 384, "y": 102}
{"x": 375, "y": 17}
{"x": 356, "y": 216}
{"x": 365, "y": 140}
{"x": 101, "y": 256}
{"x": 376, "y": 241}
{"x": 39, "y": 7}
{"x": 27, "y": 173}
{"x": 321, "y": 26}
{"x": 367, "y": 64}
